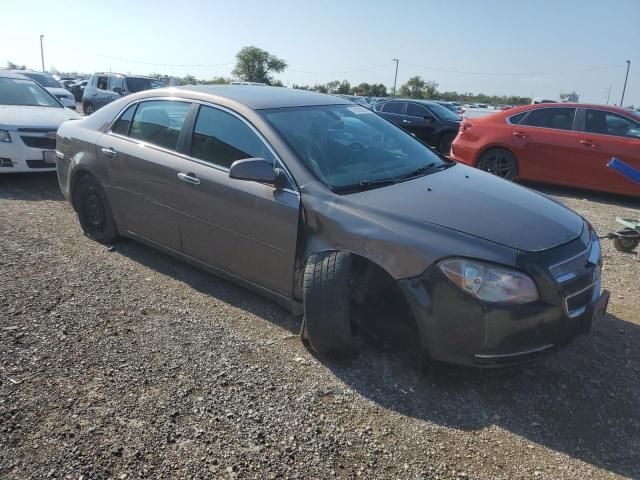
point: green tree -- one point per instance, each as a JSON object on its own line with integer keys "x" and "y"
{"x": 188, "y": 80}
{"x": 333, "y": 86}
{"x": 320, "y": 88}
{"x": 256, "y": 65}
{"x": 413, "y": 87}
{"x": 15, "y": 66}
{"x": 216, "y": 81}
{"x": 344, "y": 87}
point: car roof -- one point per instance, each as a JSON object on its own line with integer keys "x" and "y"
{"x": 414, "y": 100}
{"x": 12, "y": 74}
{"x": 255, "y": 97}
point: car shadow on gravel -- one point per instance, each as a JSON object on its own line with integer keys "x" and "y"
{"x": 583, "y": 401}
{"x": 209, "y": 284}
{"x": 30, "y": 186}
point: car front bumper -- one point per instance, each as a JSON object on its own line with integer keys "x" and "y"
{"x": 457, "y": 328}
{"x": 18, "y": 157}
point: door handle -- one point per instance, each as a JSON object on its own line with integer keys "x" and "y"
{"x": 588, "y": 143}
{"x": 189, "y": 178}
{"x": 94, "y": 94}
{"x": 519, "y": 134}
{"x": 406, "y": 121}
{"x": 109, "y": 152}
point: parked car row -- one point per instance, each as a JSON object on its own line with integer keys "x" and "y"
{"x": 51, "y": 84}
{"x": 103, "y": 88}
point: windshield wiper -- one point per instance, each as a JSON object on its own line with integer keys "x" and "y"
{"x": 426, "y": 169}
{"x": 365, "y": 185}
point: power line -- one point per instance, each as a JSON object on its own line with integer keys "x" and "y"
{"x": 519, "y": 74}
{"x": 164, "y": 64}
{"x": 373, "y": 67}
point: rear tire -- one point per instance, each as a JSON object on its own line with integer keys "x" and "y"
{"x": 88, "y": 108}
{"x": 94, "y": 211}
{"x": 327, "y": 300}
{"x": 499, "y": 162}
{"x": 444, "y": 146}
{"x": 628, "y": 243}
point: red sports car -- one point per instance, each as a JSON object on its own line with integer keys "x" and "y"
{"x": 562, "y": 143}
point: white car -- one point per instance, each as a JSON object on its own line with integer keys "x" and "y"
{"x": 29, "y": 119}
{"x": 52, "y": 85}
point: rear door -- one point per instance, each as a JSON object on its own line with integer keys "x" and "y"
{"x": 393, "y": 111}
{"x": 605, "y": 134}
{"x": 544, "y": 142}
{"x": 244, "y": 228}
{"x": 140, "y": 161}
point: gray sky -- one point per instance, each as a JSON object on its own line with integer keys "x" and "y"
{"x": 537, "y": 48}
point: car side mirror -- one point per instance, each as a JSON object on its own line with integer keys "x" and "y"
{"x": 258, "y": 170}
{"x": 117, "y": 90}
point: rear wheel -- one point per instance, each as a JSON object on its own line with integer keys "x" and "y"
{"x": 445, "y": 143}
{"x": 628, "y": 240}
{"x": 89, "y": 108}
{"x": 93, "y": 210}
{"x": 499, "y": 162}
{"x": 327, "y": 301}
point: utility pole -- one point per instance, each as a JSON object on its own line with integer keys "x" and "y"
{"x": 395, "y": 80}
{"x": 42, "y": 52}
{"x": 609, "y": 95}
{"x": 625, "y": 84}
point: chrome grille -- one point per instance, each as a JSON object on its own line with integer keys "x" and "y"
{"x": 567, "y": 269}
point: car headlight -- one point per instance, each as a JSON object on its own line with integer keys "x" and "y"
{"x": 489, "y": 282}
{"x": 4, "y": 136}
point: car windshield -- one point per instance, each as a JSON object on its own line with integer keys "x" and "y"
{"x": 138, "y": 84}
{"x": 44, "y": 80}
{"x": 350, "y": 147}
{"x": 18, "y": 91}
{"x": 443, "y": 113}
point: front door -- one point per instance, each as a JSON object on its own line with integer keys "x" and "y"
{"x": 244, "y": 228}
{"x": 605, "y": 135}
{"x": 419, "y": 121}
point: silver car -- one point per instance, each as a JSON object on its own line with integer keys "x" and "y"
{"x": 339, "y": 215}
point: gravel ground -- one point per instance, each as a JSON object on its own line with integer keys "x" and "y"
{"x": 126, "y": 363}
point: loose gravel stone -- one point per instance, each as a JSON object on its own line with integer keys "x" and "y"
{"x": 125, "y": 363}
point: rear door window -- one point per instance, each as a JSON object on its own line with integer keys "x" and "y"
{"x": 159, "y": 122}
{"x": 121, "y": 127}
{"x": 393, "y": 107}
{"x": 556, "y": 118}
{"x": 515, "y": 120}
{"x": 221, "y": 138}
{"x": 609, "y": 123}
{"x": 102, "y": 83}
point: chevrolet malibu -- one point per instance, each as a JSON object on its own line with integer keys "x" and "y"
{"x": 336, "y": 213}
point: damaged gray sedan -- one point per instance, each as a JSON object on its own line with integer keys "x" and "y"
{"x": 336, "y": 213}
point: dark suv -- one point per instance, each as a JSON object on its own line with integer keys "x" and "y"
{"x": 432, "y": 123}
{"x": 104, "y": 88}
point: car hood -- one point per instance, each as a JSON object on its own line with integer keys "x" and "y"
{"x": 477, "y": 203}
{"x": 18, "y": 116}
{"x": 59, "y": 91}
